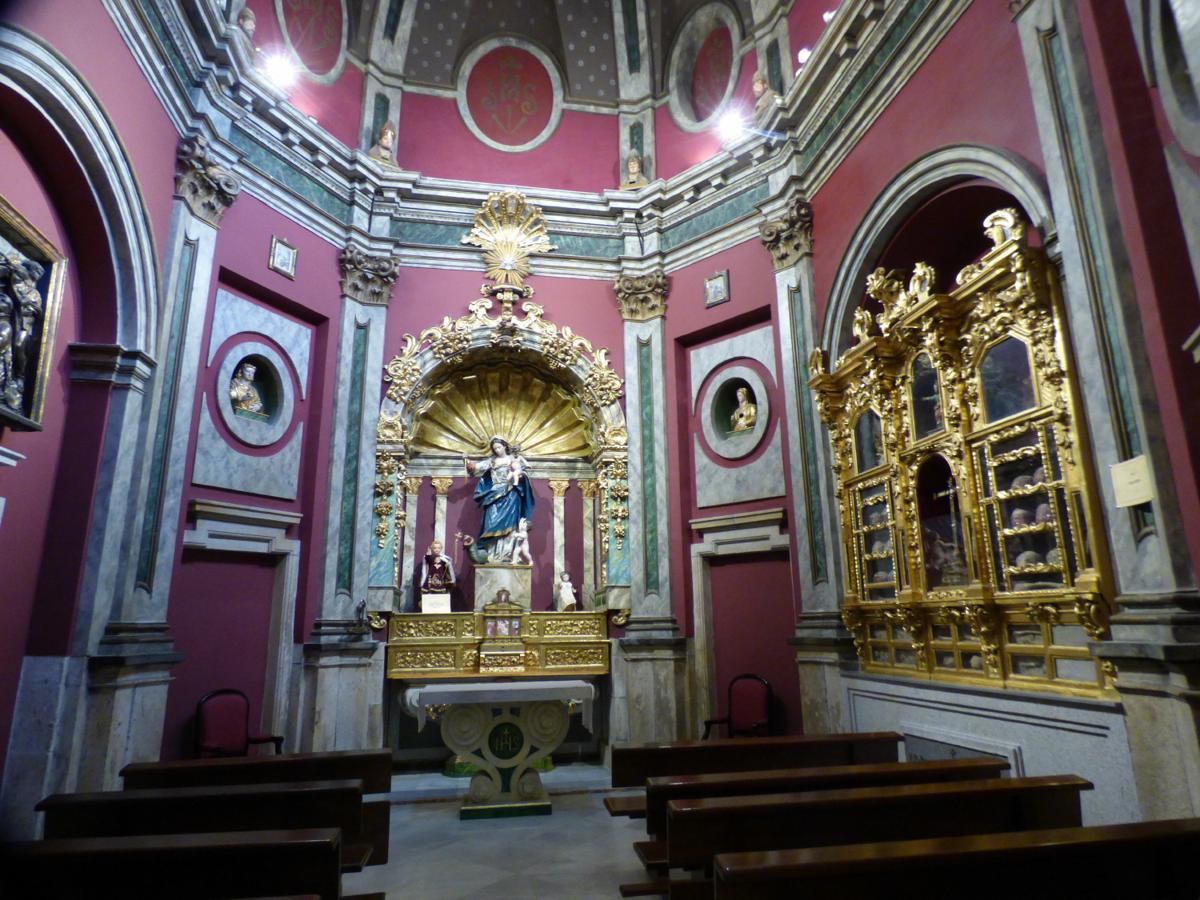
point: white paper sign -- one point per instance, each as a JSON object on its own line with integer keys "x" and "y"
{"x": 1132, "y": 482}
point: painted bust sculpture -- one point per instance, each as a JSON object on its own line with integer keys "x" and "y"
{"x": 765, "y": 98}
{"x": 634, "y": 177}
{"x": 246, "y": 399}
{"x": 505, "y": 495}
{"x": 384, "y": 149}
{"x": 746, "y": 414}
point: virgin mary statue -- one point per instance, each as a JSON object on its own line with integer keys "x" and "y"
{"x": 506, "y": 498}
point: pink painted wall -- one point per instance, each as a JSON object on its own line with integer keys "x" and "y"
{"x": 27, "y": 488}
{"x": 963, "y": 93}
{"x": 805, "y": 26}
{"x": 581, "y": 154}
{"x": 337, "y": 107}
{"x": 753, "y": 617}
{"x": 220, "y": 614}
{"x": 677, "y": 150}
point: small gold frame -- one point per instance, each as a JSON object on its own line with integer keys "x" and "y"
{"x": 283, "y": 257}
{"x": 16, "y": 230}
{"x": 716, "y": 288}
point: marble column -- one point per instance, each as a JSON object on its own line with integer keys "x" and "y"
{"x": 441, "y": 487}
{"x": 588, "y": 585}
{"x": 821, "y": 642}
{"x": 1154, "y": 649}
{"x": 635, "y": 63}
{"x": 559, "y": 489}
{"x": 340, "y": 656}
{"x": 79, "y": 718}
{"x": 653, "y": 652}
{"x": 408, "y": 552}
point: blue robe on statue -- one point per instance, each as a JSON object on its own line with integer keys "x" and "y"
{"x": 504, "y": 505}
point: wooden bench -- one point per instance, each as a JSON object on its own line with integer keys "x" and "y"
{"x": 1107, "y": 862}
{"x": 310, "y": 804}
{"x": 697, "y": 830}
{"x": 662, "y": 789}
{"x": 373, "y": 767}
{"x": 630, "y": 805}
{"x": 180, "y": 866}
{"x": 633, "y": 764}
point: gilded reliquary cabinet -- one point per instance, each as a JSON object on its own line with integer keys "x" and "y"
{"x": 968, "y": 514}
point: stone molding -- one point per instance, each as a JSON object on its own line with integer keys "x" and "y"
{"x": 366, "y": 277}
{"x": 641, "y": 298}
{"x": 789, "y": 239}
{"x": 207, "y": 188}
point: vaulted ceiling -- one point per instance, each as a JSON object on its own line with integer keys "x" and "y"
{"x": 579, "y": 34}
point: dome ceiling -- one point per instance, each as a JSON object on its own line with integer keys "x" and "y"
{"x": 578, "y": 34}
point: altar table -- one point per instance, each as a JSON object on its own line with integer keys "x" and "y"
{"x": 503, "y": 728}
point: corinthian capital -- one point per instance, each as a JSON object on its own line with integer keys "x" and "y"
{"x": 207, "y": 189}
{"x": 368, "y": 278}
{"x": 790, "y": 238}
{"x": 642, "y": 297}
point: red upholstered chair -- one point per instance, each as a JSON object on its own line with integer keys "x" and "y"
{"x": 223, "y": 725}
{"x": 748, "y": 712}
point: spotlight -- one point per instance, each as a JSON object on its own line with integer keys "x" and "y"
{"x": 828, "y": 15}
{"x": 280, "y": 70}
{"x": 730, "y": 127}
{"x": 803, "y": 54}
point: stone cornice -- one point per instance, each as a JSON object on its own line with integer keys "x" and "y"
{"x": 368, "y": 278}
{"x": 195, "y": 65}
{"x": 641, "y": 298}
{"x": 207, "y": 188}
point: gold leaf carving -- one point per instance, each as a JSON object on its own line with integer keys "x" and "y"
{"x": 508, "y": 228}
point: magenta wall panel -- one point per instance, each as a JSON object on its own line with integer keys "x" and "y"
{"x": 754, "y": 615}
{"x": 220, "y": 614}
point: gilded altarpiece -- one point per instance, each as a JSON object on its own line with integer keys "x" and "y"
{"x": 32, "y": 275}
{"x": 964, "y": 479}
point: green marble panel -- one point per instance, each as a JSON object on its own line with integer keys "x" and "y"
{"x": 715, "y": 218}
{"x": 649, "y": 482}
{"x": 288, "y": 175}
{"x": 154, "y": 19}
{"x": 808, "y": 457}
{"x": 349, "y": 508}
{"x": 432, "y": 234}
{"x": 592, "y": 247}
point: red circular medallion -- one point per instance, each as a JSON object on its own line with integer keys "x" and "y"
{"x": 509, "y": 96}
{"x": 710, "y": 74}
{"x": 314, "y": 29}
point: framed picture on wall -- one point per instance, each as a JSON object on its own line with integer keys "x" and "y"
{"x": 32, "y": 274}
{"x": 283, "y": 257}
{"x": 716, "y": 288}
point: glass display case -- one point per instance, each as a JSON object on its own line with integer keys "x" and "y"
{"x": 965, "y": 483}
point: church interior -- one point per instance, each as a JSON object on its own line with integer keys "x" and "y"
{"x": 494, "y": 387}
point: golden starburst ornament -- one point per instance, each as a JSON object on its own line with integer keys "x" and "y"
{"x": 509, "y": 229}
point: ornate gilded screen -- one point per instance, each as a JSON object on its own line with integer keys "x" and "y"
{"x": 964, "y": 479}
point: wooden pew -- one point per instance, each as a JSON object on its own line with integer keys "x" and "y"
{"x": 309, "y": 804}
{"x": 665, "y": 788}
{"x": 697, "y": 830}
{"x": 373, "y": 767}
{"x": 630, "y": 805}
{"x": 1107, "y": 862}
{"x": 632, "y": 764}
{"x": 180, "y": 866}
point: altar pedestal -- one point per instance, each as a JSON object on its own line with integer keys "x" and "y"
{"x": 505, "y": 729}
{"x": 491, "y": 578}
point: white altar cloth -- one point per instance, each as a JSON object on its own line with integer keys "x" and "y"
{"x": 417, "y": 699}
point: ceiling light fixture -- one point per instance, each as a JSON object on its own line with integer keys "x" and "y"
{"x": 280, "y": 70}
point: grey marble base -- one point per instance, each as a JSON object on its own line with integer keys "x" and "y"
{"x": 490, "y": 578}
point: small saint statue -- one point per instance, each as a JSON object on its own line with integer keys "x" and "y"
{"x": 566, "y": 594}
{"x": 746, "y": 414}
{"x": 765, "y": 98}
{"x": 634, "y": 177}
{"x": 384, "y": 149}
{"x": 245, "y": 396}
{"x": 521, "y": 555}
{"x": 437, "y": 570}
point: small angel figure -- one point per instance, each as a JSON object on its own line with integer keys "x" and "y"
{"x": 566, "y": 593}
{"x": 521, "y": 544}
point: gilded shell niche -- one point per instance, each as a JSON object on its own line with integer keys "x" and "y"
{"x": 463, "y": 411}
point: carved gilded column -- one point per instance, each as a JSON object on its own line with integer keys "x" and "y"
{"x": 587, "y": 589}
{"x": 821, "y": 641}
{"x": 559, "y": 489}
{"x": 441, "y": 487}
{"x": 341, "y": 659}
{"x": 652, "y": 650}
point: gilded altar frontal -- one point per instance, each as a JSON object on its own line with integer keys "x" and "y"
{"x": 502, "y": 403}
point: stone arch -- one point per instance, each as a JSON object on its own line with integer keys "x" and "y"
{"x": 49, "y": 84}
{"x": 910, "y": 188}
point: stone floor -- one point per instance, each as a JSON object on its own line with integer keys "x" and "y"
{"x": 577, "y": 852}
